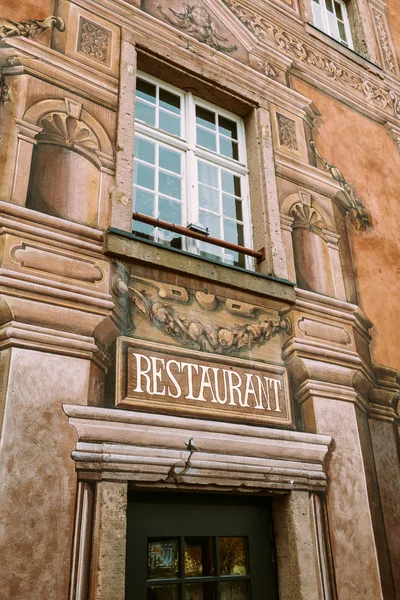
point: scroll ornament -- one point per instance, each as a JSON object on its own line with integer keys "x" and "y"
{"x": 30, "y": 28}
{"x": 211, "y": 338}
{"x": 355, "y": 208}
{"x": 196, "y": 21}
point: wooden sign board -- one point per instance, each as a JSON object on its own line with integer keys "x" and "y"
{"x": 169, "y": 380}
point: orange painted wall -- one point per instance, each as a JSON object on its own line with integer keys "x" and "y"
{"x": 27, "y": 9}
{"x": 369, "y": 159}
{"x": 394, "y": 20}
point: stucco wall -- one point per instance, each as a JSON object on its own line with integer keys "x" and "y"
{"x": 28, "y": 9}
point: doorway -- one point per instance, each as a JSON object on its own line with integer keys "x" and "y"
{"x": 199, "y": 547}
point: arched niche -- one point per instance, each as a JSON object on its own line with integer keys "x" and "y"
{"x": 70, "y": 163}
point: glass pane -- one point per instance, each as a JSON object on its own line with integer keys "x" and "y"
{"x": 333, "y": 28}
{"x": 169, "y": 185}
{"x": 171, "y": 211}
{"x": 210, "y": 251}
{"x": 230, "y": 183}
{"x": 146, "y": 91}
{"x": 163, "y": 592}
{"x": 208, "y": 198}
{"x": 233, "y": 232}
{"x": 212, "y": 222}
{"x": 145, "y": 113}
{"x": 170, "y": 160}
{"x": 205, "y": 117}
{"x": 145, "y": 150}
{"x": 200, "y": 591}
{"x": 342, "y": 31}
{"x": 143, "y": 230}
{"x": 169, "y": 123}
{"x": 207, "y": 174}
{"x": 317, "y": 11}
{"x": 228, "y": 148}
{"x": 232, "y": 555}
{"x": 143, "y": 202}
{"x": 232, "y": 207}
{"x": 207, "y": 139}
{"x": 227, "y": 127}
{"x": 162, "y": 559}
{"x": 144, "y": 175}
{"x": 170, "y": 101}
{"x": 329, "y": 5}
{"x": 339, "y": 13}
{"x": 235, "y": 590}
{"x": 199, "y": 556}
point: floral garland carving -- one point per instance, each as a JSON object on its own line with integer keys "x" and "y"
{"x": 387, "y": 52}
{"x": 267, "y": 31}
{"x": 196, "y": 21}
{"x": 355, "y": 209}
{"x": 30, "y": 28}
{"x": 212, "y": 338}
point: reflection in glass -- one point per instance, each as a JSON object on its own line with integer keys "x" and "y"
{"x": 233, "y": 232}
{"x": 232, "y": 207}
{"x": 200, "y": 591}
{"x": 170, "y": 101}
{"x": 207, "y": 139}
{"x": 227, "y": 127}
{"x": 144, "y": 176}
{"x": 207, "y": 174}
{"x": 143, "y": 230}
{"x": 208, "y": 198}
{"x": 169, "y": 185}
{"x": 199, "y": 556}
{"x": 230, "y": 183}
{"x": 145, "y": 150}
{"x": 169, "y": 123}
{"x": 170, "y": 160}
{"x": 146, "y": 91}
{"x": 145, "y": 113}
{"x": 205, "y": 117}
{"x": 228, "y": 148}
{"x": 171, "y": 211}
{"x": 234, "y": 590}
{"x": 163, "y": 592}
{"x": 162, "y": 559}
{"x": 232, "y": 554}
{"x": 144, "y": 202}
{"x": 211, "y": 222}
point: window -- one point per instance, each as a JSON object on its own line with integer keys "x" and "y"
{"x": 331, "y": 16}
{"x": 190, "y": 168}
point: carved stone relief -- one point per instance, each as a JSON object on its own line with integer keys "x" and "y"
{"x": 93, "y": 40}
{"x": 30, "y": 28}
{"x": 388, "y": 55}
{"x": 61, "y": 128}
{"x": 307, "y": 217}
{"x": 287, "y": 132}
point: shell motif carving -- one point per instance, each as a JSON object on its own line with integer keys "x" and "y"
{"x": 62, "y": 128}
{"x": 307, "y": 217}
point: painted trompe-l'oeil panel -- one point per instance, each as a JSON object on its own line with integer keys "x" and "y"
{"x": 201, "y": 354}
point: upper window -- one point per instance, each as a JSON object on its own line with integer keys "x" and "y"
{"x": 331, "y": 17}
{"x": 190, "y": 168}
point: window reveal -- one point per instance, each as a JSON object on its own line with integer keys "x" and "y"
{"x": 190, "y": 167}
{"x": 331, "y": 17}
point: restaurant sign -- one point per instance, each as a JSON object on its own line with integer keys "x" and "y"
{"x": 169, "y": 380}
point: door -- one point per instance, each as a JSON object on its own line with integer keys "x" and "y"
{"x": 191, "y": 547}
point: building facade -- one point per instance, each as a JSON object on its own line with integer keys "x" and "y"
{"x": 200, "y": 282}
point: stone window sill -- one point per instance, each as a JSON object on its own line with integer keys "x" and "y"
{"x": 127, "y": 245}
{"x": 347, "y": 52}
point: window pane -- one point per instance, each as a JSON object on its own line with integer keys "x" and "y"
{"x": 317, "y": 11}
{"x": 162, "y": 559}
{"x": 144, "y": 175}
{"x": 329, "y": 5}
{"x": 212, "y": 222}
{"x": 170, "y": 160}
{"x": 145, "y": 150}
{"x": 143, "y": 230}
{"x": 233, "y": 232}
{"x": 228, "y": 127}
{"x": 208, "y": 198}
{"x": 169, "y": 185}
{"x": 170, "y": 101}
{"x": 170, "y": 123}
{"x": 200, "y": 591}
{"x": 207, "y": 139}
{"x": 145, "y": 113}
{"x": 232, "y": 207}
{"x": 342, "y": 31}
{"x": 338, "y": 9}
{"x": 205, "y": 117}
{"x": 228, "y": 148}
{"x": 163, "y": 592}
{"x": 235, "y": 590}
{"x": 207, "y": 174}
{"x": 144, "y": 202}
{"x": 146, "y": 91}
{"x": 171, "y": 211}
{"x": 199, "y": 556}
{"x": 232, "y": 553}
{"x": 230, "y": 183}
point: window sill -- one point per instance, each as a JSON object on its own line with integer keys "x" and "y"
{"x": 128, "y": 245}
{"x": 348, "y": 52}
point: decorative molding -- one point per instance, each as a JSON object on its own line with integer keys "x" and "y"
{"x": 354, "y": 208}
{"x": 196, "y": 21}
{"x": 388, "y": 55}
{"x": 307, "y": 217}
{"x": 4, "y": 90}
{"x": 31, "y": 28}
{"x": 208, "y": 338}
{"x": 93, "y": 40}
{"x": 63, "y": 129}
{"x": 287, "y": 132}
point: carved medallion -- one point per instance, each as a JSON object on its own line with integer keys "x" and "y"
{"x": 93, "y": 40}
{"x": 287, "y": 132}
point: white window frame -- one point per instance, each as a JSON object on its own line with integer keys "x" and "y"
{"x": 186, "y": 143}
{"x": 328, "y": 21}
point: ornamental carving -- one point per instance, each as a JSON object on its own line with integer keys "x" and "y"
{"x": 307, "y": 217}
{"x": 195, "y": 20}
{"x": 4, "y": 90}
{"x": 93, "y": 40}
{"x": 354, "y": 208}
{"x": 208, "y": 338}
{"x": 63, "y": 129}
{"x": 30, "y": 28}
{"x": 287, "y": 132}
{"x": 387, "y": 51}
{"x": 267, "y": 32}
